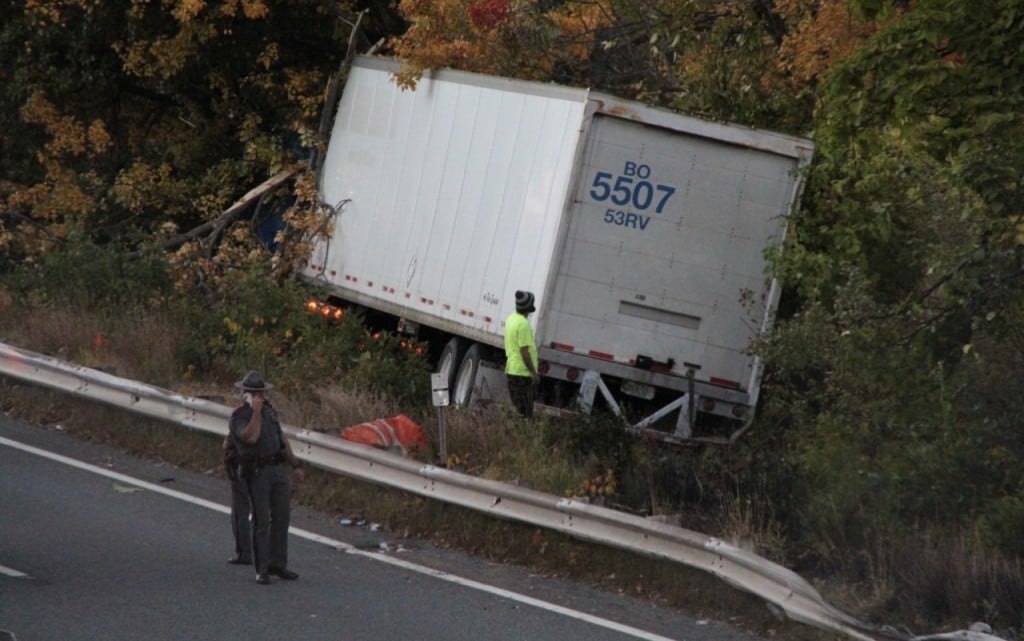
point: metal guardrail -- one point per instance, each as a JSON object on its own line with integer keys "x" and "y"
{"x": 778, "y": 586}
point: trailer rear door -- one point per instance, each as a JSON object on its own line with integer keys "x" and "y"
{"x": 665, "y": 250}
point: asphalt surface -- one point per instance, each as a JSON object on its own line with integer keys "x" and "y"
{"x": 96, "y": 544}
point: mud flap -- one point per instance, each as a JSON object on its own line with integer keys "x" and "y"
{"x": 490, "y": 385}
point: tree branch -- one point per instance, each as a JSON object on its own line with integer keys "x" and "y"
{"x": 228, "y": 215}
{"x": 22, "y": 218}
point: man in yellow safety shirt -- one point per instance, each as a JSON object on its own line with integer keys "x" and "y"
{"x": 521, "y": 355}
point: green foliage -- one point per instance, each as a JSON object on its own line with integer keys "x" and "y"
{"x": 88, "y": 276}
{"x": 726, "y": 68}
{"x": 527, "y": 452}
{"x": 255, "y": 323}
{"x": 601, "y": 438}
{"x": 893, "y": 384}
{"x": 882, "y": 437}
{"x": 920, "y": 131}
{"x": 392, "y": 366}
{"x": 1003, "y": 523}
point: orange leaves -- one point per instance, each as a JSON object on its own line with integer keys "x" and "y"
{"x": 60, "y": 197}
{"x": 519, "y": 39}
{"x": 721, "y": 57}
{"x": 136, "y": 186}
{"x": 57, "y": 11}
{"x": 579, "y": 24}
{"x": 165, "y": 56}
{"x": 255, "y": 9}
{"x": 67, "y": 135}
{"x": 98, "y": 137}
{"x": 251, "y": 9}
{"x": 162, "y": 57}
{"x": 269, "y": 56}
{"x": 64, "y": 192}
{"x": 440, "y": 34}
{"x": 303, "y": 89}
{"x": 208, "y": 95}
{"x": 820, "y": 34}
{"x": 307, "y": 221}
{"x": 185, "y": 10}
{"x": 581, "y": 20}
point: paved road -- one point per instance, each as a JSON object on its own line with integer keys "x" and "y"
{"x": 95, "y": 544}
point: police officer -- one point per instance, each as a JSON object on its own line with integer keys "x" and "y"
{"x": 264, "y": 453}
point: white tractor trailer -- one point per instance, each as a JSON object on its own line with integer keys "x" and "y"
{"x": 642, "y": 232}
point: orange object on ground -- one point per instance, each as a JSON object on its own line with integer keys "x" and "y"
{"x": 395, "y": 432}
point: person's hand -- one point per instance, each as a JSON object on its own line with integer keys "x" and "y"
{"x": 300, "y": 474}
{"x": 535, "y": 377}
{"x": 257, "y": 402}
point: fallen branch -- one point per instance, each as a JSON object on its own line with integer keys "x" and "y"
{"x": 226, "y": 217}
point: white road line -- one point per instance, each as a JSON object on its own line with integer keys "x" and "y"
{"x": 12, "y": 572}
{"x": 347, "y": 548}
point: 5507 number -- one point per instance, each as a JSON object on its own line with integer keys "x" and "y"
{"x": 631, "y": 190}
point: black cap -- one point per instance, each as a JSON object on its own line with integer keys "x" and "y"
{"x": 524, "y": 302}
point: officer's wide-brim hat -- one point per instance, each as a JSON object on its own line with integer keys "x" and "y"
{"x": 524, "y": 302}
{"x": 253, "y": 382}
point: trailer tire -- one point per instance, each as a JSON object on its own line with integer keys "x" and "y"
{"x": 451, "y": 358}
{"x": 466, "y": 377}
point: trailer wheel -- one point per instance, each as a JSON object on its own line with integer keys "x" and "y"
{"x": 466, "y": 376}
{"x": 450, "y": 359}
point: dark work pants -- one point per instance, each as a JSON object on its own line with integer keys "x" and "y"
{"x": 520, "y": 389}
{"x": 240, "y": 511}
{"x": 270, "y": 493}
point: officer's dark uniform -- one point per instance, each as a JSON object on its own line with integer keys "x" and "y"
{"x": 240, "y": 508}
{"x": 263, "y": 468}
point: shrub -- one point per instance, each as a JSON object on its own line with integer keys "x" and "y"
{"x": 392, "y": 366}
{"x": 255, "y": 323}
{"x": 89, "y": 276}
